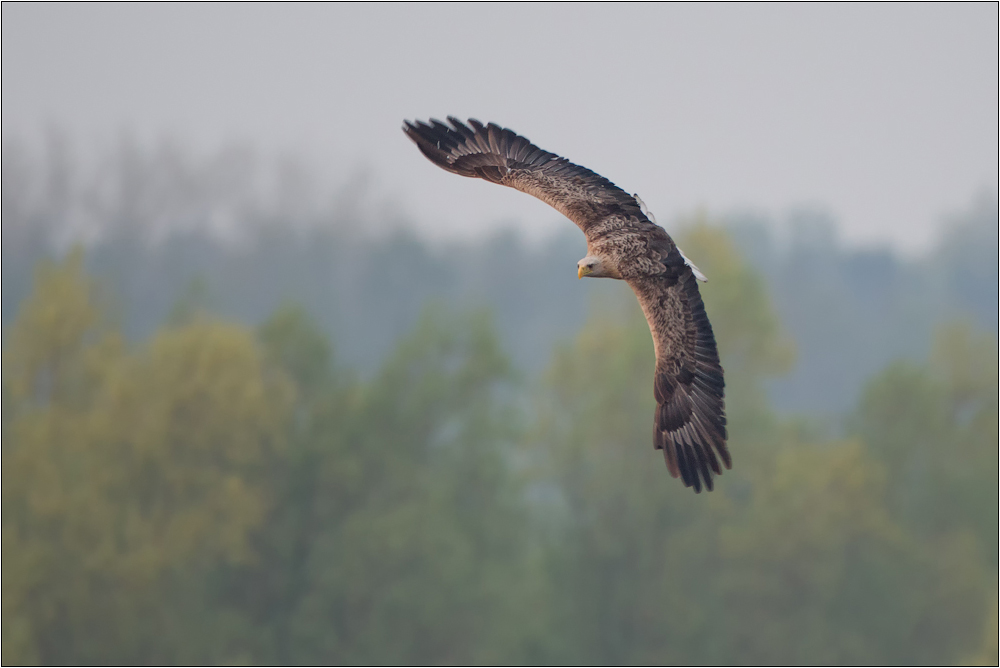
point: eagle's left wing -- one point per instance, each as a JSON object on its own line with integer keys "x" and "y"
{"x": 690, "y": 419}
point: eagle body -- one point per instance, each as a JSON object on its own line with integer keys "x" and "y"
{"x": 623, "y": 242}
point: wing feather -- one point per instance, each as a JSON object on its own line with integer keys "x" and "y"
{"x": 689, "y": 385}
{"x": 499, "y": 155}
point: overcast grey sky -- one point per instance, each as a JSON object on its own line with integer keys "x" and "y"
{"x": 884, "y": 114}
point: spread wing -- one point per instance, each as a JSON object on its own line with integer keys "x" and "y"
{"x": 690, "y": 419}
{"x": 690, "y": 422}
{"x": 500, "y": 156}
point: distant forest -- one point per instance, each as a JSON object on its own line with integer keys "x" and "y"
{"x": 244, "y": 427}
{"x": 230, "y": 231}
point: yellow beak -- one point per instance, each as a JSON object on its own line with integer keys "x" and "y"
{"x": 582, "y": 271}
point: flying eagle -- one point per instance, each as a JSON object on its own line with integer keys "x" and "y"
{"x": 623, "y": 242}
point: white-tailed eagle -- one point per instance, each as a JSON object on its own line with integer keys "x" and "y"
{"x": 622, "y": 243}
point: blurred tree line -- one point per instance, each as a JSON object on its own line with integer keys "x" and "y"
{"x": 852, "y": 311}
{"x": 213, "y": 493}
{"x": 240, "y": 233}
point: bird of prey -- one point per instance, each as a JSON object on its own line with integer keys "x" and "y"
{"x": 623, "y": 242}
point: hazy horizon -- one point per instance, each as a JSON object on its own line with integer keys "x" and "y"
{"x": 883, "y": 116}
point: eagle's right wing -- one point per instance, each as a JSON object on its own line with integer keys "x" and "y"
{"x": 501, "y": 156}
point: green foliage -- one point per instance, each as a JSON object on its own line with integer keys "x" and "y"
{"x": 413, "y": 549}
{"x": 817, "y": 562}
{"x": 935, "y": 425}
{"x": 126, "y": 474}
{"x": 217, "y": 495}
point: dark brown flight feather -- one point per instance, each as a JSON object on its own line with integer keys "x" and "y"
{"x": 690, "y": 421}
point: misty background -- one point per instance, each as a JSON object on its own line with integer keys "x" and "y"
{"x": 319, "y": 401}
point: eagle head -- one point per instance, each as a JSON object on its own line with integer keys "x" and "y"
{"x": 596, "y": 267}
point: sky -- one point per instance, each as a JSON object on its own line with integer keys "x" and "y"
{"x": 883, "y": 115}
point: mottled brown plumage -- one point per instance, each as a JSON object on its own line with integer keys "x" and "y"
{"x": 690, "y": 422}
